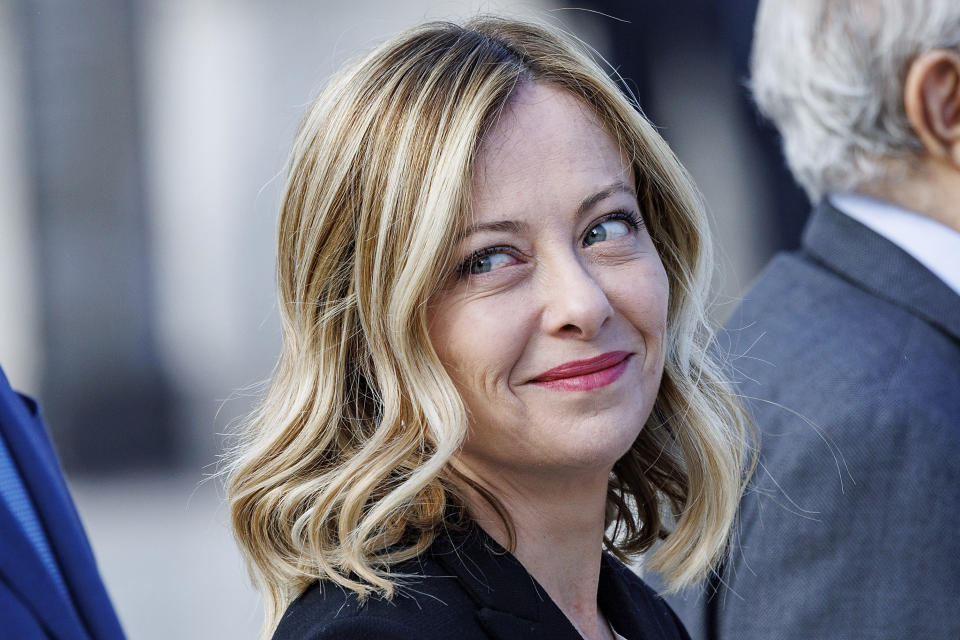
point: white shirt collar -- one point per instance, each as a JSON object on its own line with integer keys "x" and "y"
{"x": 934, "y": 245}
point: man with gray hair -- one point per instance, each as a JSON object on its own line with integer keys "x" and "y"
{"x": 850, "y": 349}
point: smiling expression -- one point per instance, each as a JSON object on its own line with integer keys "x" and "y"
{"x": 553, "y": 325}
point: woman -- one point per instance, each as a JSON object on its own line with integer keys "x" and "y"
{"x": 492, "y": 274}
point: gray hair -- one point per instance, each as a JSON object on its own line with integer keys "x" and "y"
{"x": 830, "y": 75}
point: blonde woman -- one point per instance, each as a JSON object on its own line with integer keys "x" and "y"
{"x": 492, "y": 274}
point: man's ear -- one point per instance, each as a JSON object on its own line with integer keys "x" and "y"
{"x": 931, "y": 97}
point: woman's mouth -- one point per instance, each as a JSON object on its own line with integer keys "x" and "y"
{"x": 584, "y": 375}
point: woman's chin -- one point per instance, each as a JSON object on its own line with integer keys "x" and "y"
{"x": 598, "y": 458}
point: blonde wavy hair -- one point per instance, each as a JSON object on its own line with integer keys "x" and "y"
{"x": 343, "y": 470}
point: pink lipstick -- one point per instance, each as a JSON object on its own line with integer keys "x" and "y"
{"x": 583, "y": 375}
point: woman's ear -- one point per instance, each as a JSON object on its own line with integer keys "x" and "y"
{"x": 932, "y": 102}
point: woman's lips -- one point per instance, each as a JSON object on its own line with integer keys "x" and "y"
{"x": 583, "y": 375}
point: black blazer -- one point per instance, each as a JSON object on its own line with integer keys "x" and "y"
{"x": 467, "y": 587}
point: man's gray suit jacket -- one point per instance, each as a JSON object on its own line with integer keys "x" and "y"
{"x": 847, "y": 354}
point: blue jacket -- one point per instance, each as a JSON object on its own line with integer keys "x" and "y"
{"x": 31, "y": 606}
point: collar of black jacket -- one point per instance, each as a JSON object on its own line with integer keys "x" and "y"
{"x": 510, "y": 603}
{"x": 877, "y": 265}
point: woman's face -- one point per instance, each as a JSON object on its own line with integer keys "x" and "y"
{"x": 553, "y": 327}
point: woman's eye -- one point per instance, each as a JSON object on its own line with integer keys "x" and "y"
{"x": 490, "y": 262}
{"x": 606, "y": 230}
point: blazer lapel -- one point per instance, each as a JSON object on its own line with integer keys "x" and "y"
{"x": 31, "y": 448}
{"x": 880, "y": 267}
{"x": 510, "y": 603}
{"x": 20, "y": 565}
{"x": 634, "y": 612}
{"x": 22, "y": 570}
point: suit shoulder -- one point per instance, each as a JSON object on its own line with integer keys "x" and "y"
{"x": 796, "y": 308}
{"x": 805, "y": 341}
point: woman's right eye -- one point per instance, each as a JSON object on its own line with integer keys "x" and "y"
{"x": 487, "y": 261}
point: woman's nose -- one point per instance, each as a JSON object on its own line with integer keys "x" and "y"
{"x": 575, "y": 303}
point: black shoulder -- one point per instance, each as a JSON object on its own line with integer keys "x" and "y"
{"x": 327, "y": 611}
{"x": 303, "y": 624}
{"x": 427, "y": 604}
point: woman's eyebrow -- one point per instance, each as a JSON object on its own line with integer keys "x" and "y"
{"x": 509, "y": 226}
{"x": 603, "y": 194}
{"x": 515, "y": 226}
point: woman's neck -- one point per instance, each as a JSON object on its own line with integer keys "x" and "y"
{"x": 559, "y": 539}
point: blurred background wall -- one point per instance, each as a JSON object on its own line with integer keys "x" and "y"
{"x": 142, "y": 149}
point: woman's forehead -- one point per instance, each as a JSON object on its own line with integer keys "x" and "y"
{"x": 547, "y": 148}
{"x": 531, "y": 110}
